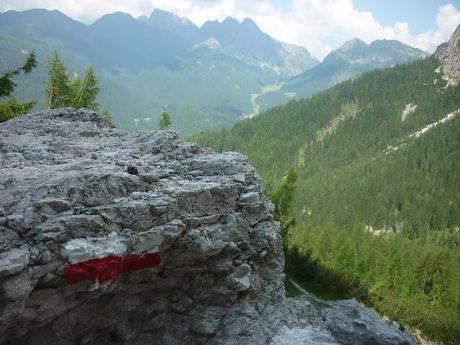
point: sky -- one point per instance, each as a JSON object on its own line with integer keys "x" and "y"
{"x": 318, "y": 25}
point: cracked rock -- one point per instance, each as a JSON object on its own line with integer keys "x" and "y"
{"x": 240, "y": 280}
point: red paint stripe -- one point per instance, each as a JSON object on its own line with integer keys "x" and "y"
{"x": 109, "y": 267}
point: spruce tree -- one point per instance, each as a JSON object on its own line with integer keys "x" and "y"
{"x": 64, "y": 90}
{"x": 75, "y": 87}
{"x": 283, "y": 198}
{"x": 58, "y": 90}
{"x": 87, "y": 96}
{"x": 165, "y": 120}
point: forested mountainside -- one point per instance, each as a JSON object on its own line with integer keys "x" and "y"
{"x": 381, "y": 150}
{"x": 377, "y": 203}
{"x": 204, "y": 75}
{"x": 350, "y": 60}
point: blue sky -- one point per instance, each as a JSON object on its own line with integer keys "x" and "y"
{"x": 420, "y": 14}
{"x": 318, "y": 25}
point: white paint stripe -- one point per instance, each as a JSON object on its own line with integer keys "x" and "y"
{"x": 81, "y": 249}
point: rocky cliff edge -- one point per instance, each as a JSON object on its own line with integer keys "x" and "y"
{"x": 449, "y": 55}
{"x": 115, "y": 237}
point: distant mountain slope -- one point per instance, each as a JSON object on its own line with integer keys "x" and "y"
{"x": 126, "y": 43}
{"x": 246, "y": 40}
{"x": 381, "y": 150}
{"x": 167, "y": 21}
{"x": 146, "y": 63}
{"x": 350, "y": 60}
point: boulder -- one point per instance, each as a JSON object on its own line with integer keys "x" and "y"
{"x": 352, "y": 324}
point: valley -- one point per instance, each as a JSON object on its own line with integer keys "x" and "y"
{"x": 254, "y": 96}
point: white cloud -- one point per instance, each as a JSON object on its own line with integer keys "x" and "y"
{"x": 319, "y": 25}
{"x": 448, "y": 19}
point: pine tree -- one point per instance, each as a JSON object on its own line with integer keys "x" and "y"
{"x": 11, "y": 108}
{"x": 283, "y": 198}
{"x": 64, "y": 90}
{"x": 165, "y": 120}
{"x": 75, "y": 87}
{"x": 87, "y": 97}
{"x": 58, "y": 90}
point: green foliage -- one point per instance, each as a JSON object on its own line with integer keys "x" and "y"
{"x": 165, "y": 120}
{"x": 319, "y": 279}
{"x": 7, "y": 83}
{"x": 283, "y": 198}
{"x": 11, "y": 108}
{"x": 64, "y": 90}
{"x": 87, "y": 95}
{"x": 107, "y": 114}
{"x": 416, "y": 282}
{"x": 59, "y": 86}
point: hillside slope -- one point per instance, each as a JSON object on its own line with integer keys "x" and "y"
{"x": 357, "y": 153}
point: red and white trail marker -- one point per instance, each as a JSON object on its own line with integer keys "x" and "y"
{"x": 107, "y": 268}
{"x": 103, "y": 259}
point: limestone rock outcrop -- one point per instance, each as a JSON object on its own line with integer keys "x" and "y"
{"x": 449, "y": 55}
{"x": 115, "y": 237}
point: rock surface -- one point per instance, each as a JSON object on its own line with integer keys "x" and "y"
{"x": 449, "y": 55}
{"x": 73, "y": 189}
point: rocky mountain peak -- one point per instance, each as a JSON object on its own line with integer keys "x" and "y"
{"x": 230, "y": 21}
{"x": 167, "y": 21}
{"x": 115, "y": 19}
{"x": 116, "y": 237}
{"x": 349, "y": 51}
{"x": 449, "y": 55}
{"x": 379, "y": 53}
{"x": 353, "y": 44}
{"x": 164, "y": 19}
{"x": 248, "y": 22}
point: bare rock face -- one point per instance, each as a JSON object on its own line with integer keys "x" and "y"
{"x": 449, "y": 55}
{"x": 114, "y": 237}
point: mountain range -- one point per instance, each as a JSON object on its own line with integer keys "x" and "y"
{"x": 350, "y": 60}
{"x": 208, "y": 76}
